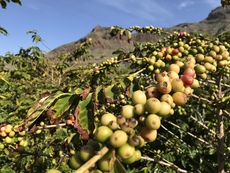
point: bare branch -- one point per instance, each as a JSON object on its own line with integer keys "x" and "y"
{"x": 171, "y": 143}
{"x": 190, "y": 134}
{"x": 227, "y": 113}
{"x": 221, "y": 84}
{"x": 168, "y": 164}
{"x": 202, "y": 124}
{"x": 51, "y": 126}
{"x": 170, "y": 132}
{"x": 201, "y": 98}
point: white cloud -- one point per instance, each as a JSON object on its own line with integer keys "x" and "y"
{"x": 185, "y": 4}
{"x": 146, "y": 9}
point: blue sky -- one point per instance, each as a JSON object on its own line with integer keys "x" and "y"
{"x": 62, "y": 21}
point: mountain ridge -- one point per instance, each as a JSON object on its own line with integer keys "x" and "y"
{"x": 217, "y": 22}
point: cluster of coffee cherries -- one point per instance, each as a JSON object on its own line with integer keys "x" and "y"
{"x": 12, "y": 136}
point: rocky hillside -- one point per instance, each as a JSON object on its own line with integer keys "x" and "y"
{"x": 104, "y": 44}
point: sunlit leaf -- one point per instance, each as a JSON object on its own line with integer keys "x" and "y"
{"x": 63, "y": 104}
{"x": 84, "y": 116}
{"x": 70, "y": 137}
{"x": 78, "y": 91}
{"x": 40, "y": 107}
{"x": 109, "y": 92}
{"x": 99, "y": 95}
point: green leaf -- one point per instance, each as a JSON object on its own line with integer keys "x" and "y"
{"x": 125, "y": 83}
{"x": 211, "y": 151}
{"x": 99, "y": 96}
{"x": 109, "y": 92}
{"x": 69, "y": 138}
{"x": 61, "y": 134}
{"x": 85, "y": 113}
{"x": 17, "y": 2}
{"x": 63, "y": 104}
{"x": 118, "y": 167}
{"x": 3, "y": 4}
{"x": 78, "y": 91}
{"x": 2, "y": 30}
{"x": 40, "y": 107}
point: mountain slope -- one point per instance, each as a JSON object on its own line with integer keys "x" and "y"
{"x": 104, "y": 44}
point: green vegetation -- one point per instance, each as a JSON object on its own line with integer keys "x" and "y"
{"x": 161, "y": 107}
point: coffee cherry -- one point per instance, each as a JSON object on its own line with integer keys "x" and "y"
{"x": 125, "y": 151}
{"x": 8, "y": 140}
{"x": 152, "y": 92}
{"x": 179, "y": 98}
{"x": 2, "y": 146}
{"x": 195, "y": 84}
{"x": 138, "y": 97}
{"x": 174, "y": 67}
{"x": 106, "y": 118}
{"x": 103, "y": 133}
{"x": 161, "y": 77}
{"x": 113, "y": 125}
{"x": 132, "y": 122}
{"x": 118, "y": 138}
{"x": 172, "y": 75}
{"x": 134, "y": 140}
{"x": 127, "y": 111}
{"x": 165, "y": 109}
{"x": 125, "y": 127}
{"x": 164, "y": 87}
{"x": 148, "y": 135}
{"x": 96, "y": 146}
{"x": 187, "y": 79}
{"x": 130, "y": 160}
{"x": 104, "y": 164}
{"x": 177, "y": 85}
{"x": 153, "y": 105}
{"x": 138, "y": 154}
{"x": 86, "y": 152}
{"x": 121, "y": 119}
{"x": 200, "y": 69}
{"x": 75, "y": 161}
{"x": 167, "y": 98}
{"x": 153, "y": 122}
{"x": 8, "y": 128}
{"x": 139, "y": 109}
{"x": 53, "y": 171}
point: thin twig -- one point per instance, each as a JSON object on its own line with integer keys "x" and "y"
{"x": 203, "y": 125}
{"x": 184, "y": 152}
{"x": 221, "y": 84}
{"x": 190, "y": 134}
{"x": 51, "y": 126}
{"x": 201, "y": 98}
{"x": 174, "y": 135}
{"x": 169, "y": 164}
{"x": 227, "y": 113}
{"x": 171, "y": 143}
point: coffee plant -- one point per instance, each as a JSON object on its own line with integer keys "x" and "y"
{"x": 162, "y": 107}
